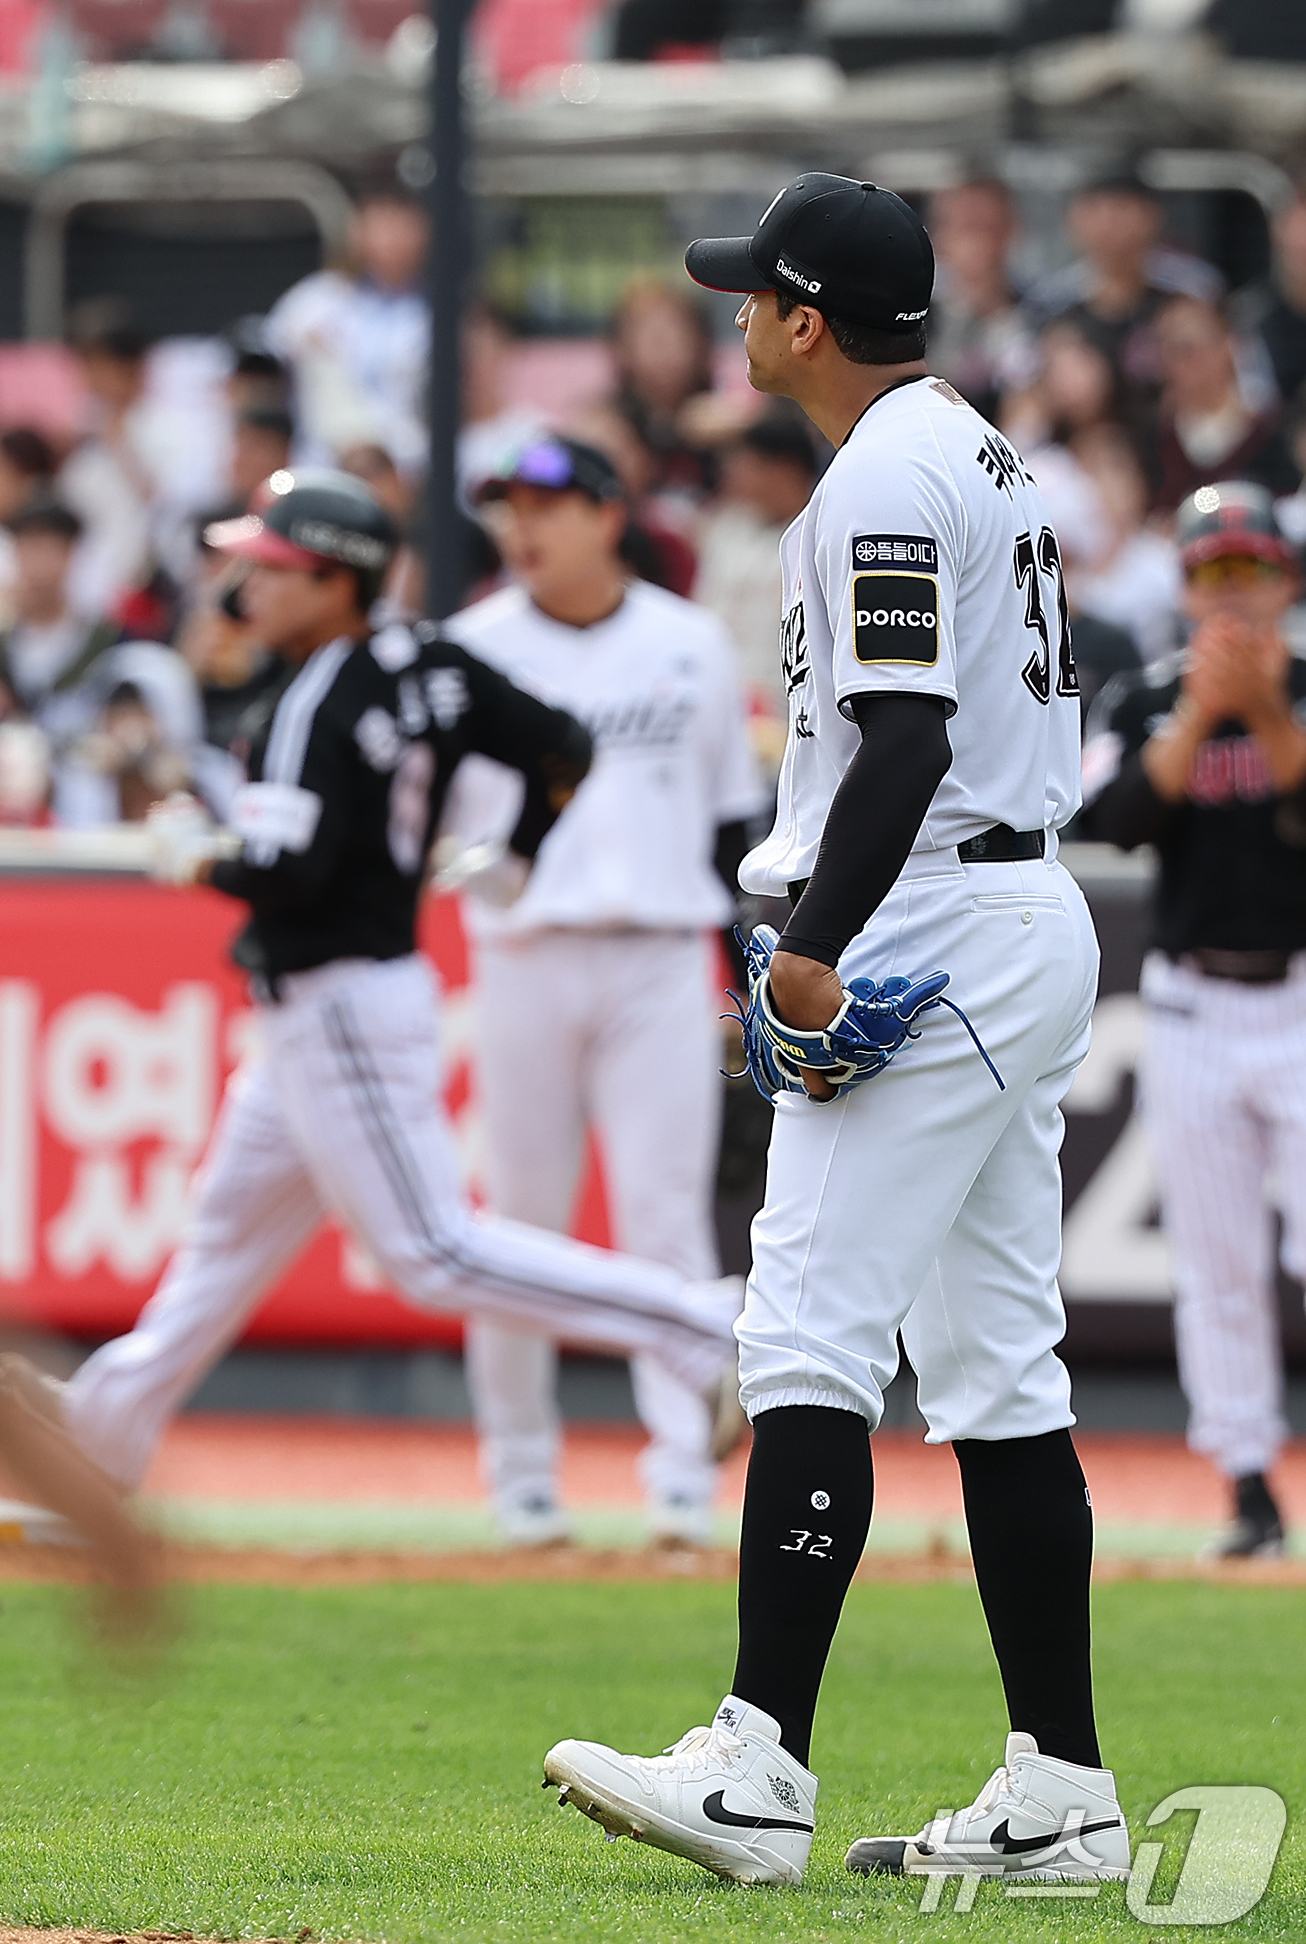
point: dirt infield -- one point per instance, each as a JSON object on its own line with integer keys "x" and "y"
{"x": 10, "y": 1935}
{"x": 1134, "y": 1477}
{"x": 266, "y": 1566}
{"x": 330, "y": 1490}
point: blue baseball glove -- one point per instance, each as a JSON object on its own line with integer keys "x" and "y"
{"x": 872, "y": 1025}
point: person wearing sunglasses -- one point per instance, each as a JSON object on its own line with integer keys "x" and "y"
{"x": 598, "y": 988}
{"x": 1204, "y": 757}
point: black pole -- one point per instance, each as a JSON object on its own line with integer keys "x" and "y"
{"x": 450, "y": 262}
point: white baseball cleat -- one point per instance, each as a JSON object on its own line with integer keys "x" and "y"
{"x": 538, "y": 1522}
{"x": 681, "y": 1524}
{"x": 1034, "y": 1818}
{"x": 728, "y": 1796}
{"x": 22, "y": 1524}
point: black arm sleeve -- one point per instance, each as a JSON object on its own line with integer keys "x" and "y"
{"x": 1128, "y": 812}
{"x": 729, "y": 853}
{"x": 731, "y": 849}
{"x": 550, "y": 748}
{"x": 872, "y": 823}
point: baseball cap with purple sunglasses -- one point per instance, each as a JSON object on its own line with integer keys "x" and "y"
{"x": 559, "y": 466}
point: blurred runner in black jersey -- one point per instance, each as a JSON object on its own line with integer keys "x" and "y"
{"x": 339, "y": 1111}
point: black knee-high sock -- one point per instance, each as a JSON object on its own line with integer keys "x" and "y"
{"x": 1031, "y": 1537}
{"x": 807, "y": 1508}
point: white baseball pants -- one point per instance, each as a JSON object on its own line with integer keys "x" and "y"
{"x": 341, "y": 1112}
{"x": 614, "y": 1031}
{"x": 1224, "y": 1101}
{"x": 926, "y": 1199}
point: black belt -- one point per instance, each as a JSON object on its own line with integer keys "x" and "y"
{"x": 1000, "y": 844}
{"x": 1268, "y": 967}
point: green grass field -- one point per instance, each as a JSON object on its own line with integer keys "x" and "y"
{"x": 365, "y": 1762}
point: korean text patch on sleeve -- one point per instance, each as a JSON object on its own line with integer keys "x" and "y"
{"x": 913, "y": 550}
{"x": 895, "y": 595}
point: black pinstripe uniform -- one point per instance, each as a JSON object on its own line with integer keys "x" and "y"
{"x": 369, "y": 735}
{"x": 339, "y": 1112}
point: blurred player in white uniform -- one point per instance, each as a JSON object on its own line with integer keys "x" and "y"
{"x": 596, "y": 986}
{"x": 358, "y": 340}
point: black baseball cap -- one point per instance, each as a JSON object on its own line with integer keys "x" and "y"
{"x": 1234, "y": 516}
{"x": 560, "y": 465}
{"x": 308, "y": 517}
{"x": 849, "y": 249}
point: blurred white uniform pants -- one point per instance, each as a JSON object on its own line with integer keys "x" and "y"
{"x": 341, "y": 1112}
{"x": 925, "y": 1199}
{"x": 1224, "y": 1101}
{"x": 614, "y": 1031}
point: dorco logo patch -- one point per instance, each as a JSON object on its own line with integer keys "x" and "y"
{"x": 896, "y": 618}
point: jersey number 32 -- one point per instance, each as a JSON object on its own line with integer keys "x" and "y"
{"x": 1037, "y": 560}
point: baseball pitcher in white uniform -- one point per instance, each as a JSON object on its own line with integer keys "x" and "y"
{"x": 597, "y": 987}
{"x": 339, "y": 1112}
{"x": 933, "y": 753}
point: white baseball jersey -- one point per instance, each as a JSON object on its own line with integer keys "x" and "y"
{"x": 360, "y": 356}
{"x": 925, "y": 564}
{"x": 890, "y": 588}
{"x": 655, "y": 685}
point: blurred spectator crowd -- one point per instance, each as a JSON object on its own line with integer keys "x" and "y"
{"x": 126, "y": 670}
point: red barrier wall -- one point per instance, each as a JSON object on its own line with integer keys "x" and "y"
{"x": 120, "y": 1018}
